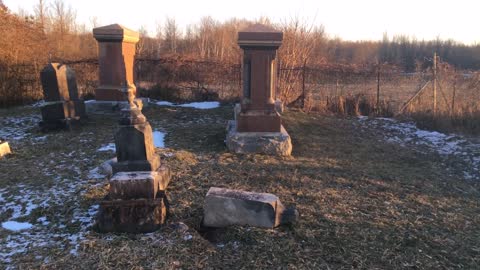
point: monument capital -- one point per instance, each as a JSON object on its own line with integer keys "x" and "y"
{"x": 115, "y": 33}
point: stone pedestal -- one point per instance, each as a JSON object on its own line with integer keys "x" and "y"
{"x": 268, "y": 143}
{"x": 139, "y": 184}
{"x": 4, "y": 148}
{"x": 132, "y": 216}
{"x": 137, "y": 200}
{"x": 258, "y": 116}
{"x": 62, "y": 103}
{"x": 116, "y": 52}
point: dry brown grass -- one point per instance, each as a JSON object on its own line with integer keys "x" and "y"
{"x": 363, "y": 203}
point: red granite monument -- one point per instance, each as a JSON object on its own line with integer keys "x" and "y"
{"x": 258, "y": 126}
{"x": 116, "y": 52}
{"x": 137, "y": 199}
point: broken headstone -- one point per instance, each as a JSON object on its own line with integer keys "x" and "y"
{"x": 62, "y": 104}
{"x": 225, "y": 207}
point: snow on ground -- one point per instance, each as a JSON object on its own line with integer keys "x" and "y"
{"x": 18, "y": 127}
{"x": 23, "y": 203}
{"x": 16, "y": 226}
{"x": 447, "y": 145}
{"x": 196, "y": 105}
{"x": 159, "y": 139}
{"x": 107, "y": 147}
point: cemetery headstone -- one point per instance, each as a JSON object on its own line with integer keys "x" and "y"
{"x": 116, "y": 52}
{"x": 137, "y": 199}
{"x": 62, "y": 106}
{"x": 257, "y": 127}
{"x": 226, "y": 207}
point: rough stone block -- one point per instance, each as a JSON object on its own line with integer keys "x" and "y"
{"x": 132, "y": 216}
{"x": 225, "y": 207}
{"x": 139, "y": 185}
{"x": 4, "y": 148}
{"x": 268, "y": 143}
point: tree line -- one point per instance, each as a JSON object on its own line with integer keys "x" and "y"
{"x": 53, "y": 32}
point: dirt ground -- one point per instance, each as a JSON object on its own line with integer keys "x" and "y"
{"x": 364, "y": 202}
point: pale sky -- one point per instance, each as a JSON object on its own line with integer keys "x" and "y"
{"x": 347, "y": 19}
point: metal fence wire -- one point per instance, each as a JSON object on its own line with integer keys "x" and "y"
{"x": 179, "y": 79}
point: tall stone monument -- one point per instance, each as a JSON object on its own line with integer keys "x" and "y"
{"x": 62, "y": 103}
{"x": 136, "y": 201}
{"x": 257, "y": 127}
{"x": 116, "y": 52}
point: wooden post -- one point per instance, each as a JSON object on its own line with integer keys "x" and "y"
{"x": 303, "y": 83}
{"x": 378, "y": 87}
{"x": 434, "y": 83}
{"x": 452, "y": 111}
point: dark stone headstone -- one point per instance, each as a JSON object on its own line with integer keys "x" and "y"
{"x": 62, "y": 104}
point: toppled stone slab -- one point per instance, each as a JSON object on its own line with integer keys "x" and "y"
{"x": 139, "y": 185}
{"x": 132, "y": 216}
{"x": 226, "y": 207}
{"x": 4, "y": 148}
{"x": 269, "y": 143}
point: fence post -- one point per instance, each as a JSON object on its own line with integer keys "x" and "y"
{"x": 452, "y": 111}
{"x": 434, "y": 84}
{"x": 303, "y": 83}
{"x": 378, "y": 87}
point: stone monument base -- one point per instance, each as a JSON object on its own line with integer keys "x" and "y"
{"x": 141, "y": 184}
{"x": 110, "y": 107}
{"x": 268, "y": 143}
{"x": 4, "y": 148}
{"x": 61, "y": 114}
{"x": 132, "y": 216}
{"x": 57, "y": 124}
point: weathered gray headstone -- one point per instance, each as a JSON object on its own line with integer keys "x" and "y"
{"x": 62, "y": 103}
{"x": 226, "y": 207}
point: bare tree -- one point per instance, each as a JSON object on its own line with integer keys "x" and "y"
{"x": 41, "y": 13}
{"x": 171, "y": 34}
{"x": 63, "y": 18}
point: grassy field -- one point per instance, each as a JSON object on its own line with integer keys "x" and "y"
{"x": 363, "y": 202}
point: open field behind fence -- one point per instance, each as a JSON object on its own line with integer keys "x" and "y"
{"x": 348, "y": 90}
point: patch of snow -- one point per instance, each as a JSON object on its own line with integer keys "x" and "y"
{"x": 164, "y": 103}
{"x": 196, "y": 105}
{"x": 159, "y": 139}
{"x": 16, "y": 128}
{"x": 202, "y": 105}
{"x": 107, "y": 147}
{"x": 16, "y": 226}
{"x": 449, "y": 146}
{"x": 38, "y": 103}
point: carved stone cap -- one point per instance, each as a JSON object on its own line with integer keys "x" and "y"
{"x": 260, "y": 35}
{"x": 115, "y": 32}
